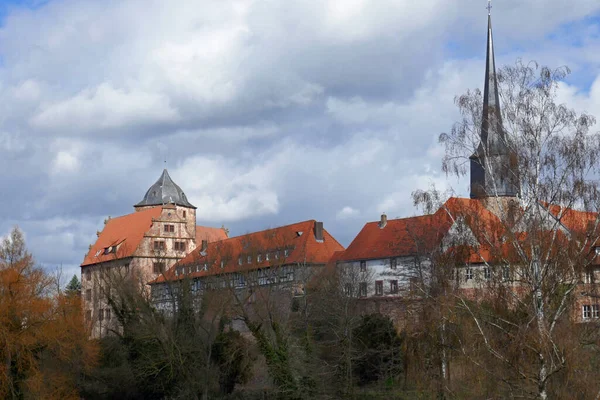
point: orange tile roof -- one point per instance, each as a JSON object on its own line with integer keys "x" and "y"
{"x": 210, "y": 234}
{"x": 299, "y": 238}
{"x": 414, "y": 235}
{"x": 573, "y": 220}
{"x": 399, "y": 237}
{"x": 125, "y": 232}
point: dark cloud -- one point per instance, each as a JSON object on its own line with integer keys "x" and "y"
{"x": 266, "y": 112}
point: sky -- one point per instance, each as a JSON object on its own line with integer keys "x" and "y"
{"x": 267, "y": 112}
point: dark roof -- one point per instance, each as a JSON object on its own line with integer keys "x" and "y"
{"x": 164, "y": 191}
{"x": 298, "y": 238}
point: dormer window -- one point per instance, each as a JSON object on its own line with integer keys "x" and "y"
{"x": 222, "y": 264}
{"x": 240, "y": 261}
{"x": 259, "y": 258}
{"x": 267, "y": 256}
{"x": 249, "y": 259}
{"x": 286, "y": 252}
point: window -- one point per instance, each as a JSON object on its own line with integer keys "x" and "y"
{"x": 589, "y": 276}
{"x": 362, "y": 289}
{"x": 249, "y": 259}
{"x": 267, "y": 256}
{"x": 180, "y": 246}
{"x": 506, "y": 273}
{"x": 159, "y": 245}
{"x": 101, "y": 315}
{"x": 348, "y": 289}
{"x": 363, "y": 266}
{"x": 222, "y": 264}
{"x": 487, "y": 274}
{"x": 587, "y": 311}
{"x": 393, "y": 263}
{"x": 169, "y": 228}
{"x": 158, "y": 267}
{"x": 88, "y": 275}
{"x": 259, "y": 258}
{"x": 378, "y": 288}
{"x": 277, "y": 255}
{"x": 595, "y": 311}
{"x": 240, "y": 261}
{"x": 184, "y": 214}
{"x": 468, "y": 274}
{"x": 286, "y": 252}
{"x": 88, "y": 295}
{"x": 394, "y": 286}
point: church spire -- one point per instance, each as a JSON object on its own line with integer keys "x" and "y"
{"x": 492, "y": 166}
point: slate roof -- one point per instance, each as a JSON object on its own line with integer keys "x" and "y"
{"x": 164, "y": 191}
{"x": 298, "y": 238}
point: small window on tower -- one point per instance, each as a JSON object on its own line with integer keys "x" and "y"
{"x": 184, "y": 214}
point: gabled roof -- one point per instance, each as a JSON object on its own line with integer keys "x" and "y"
{"x": 209, "y": 234}
{"x": 405, "y": 236}
{"x": 164, "y": 191}
{"x": 417, "y": 235}
{"x": 299, "y": 239}
{"x": 125, "y": 233}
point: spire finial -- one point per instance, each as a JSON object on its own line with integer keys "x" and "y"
{"x": 489, "y": 7}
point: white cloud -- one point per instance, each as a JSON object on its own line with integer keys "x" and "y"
{"x": 347, "y": 212}
{"x": 105, "y": 107}
{"x": 268, "y": 112}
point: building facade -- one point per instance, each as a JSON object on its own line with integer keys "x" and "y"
{"x": 140, "y": 246}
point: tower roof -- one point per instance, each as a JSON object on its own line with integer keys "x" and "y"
{"x": 164, "y": 191}
{"x": 492, "y": 132}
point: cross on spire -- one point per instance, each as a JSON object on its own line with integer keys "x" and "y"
{"x": 489, "y": 7}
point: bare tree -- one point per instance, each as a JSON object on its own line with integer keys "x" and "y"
{"x": 536, "y": 249}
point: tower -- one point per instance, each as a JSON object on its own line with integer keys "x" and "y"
{"x": 166, "y": 192}
{"x": 494, "y": 171}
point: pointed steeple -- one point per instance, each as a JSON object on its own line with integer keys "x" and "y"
{"x": 492, "y": 165}
{"x": 164, "y": 191}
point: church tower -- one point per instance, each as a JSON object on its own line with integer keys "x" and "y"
{"x": 494, "y": 166}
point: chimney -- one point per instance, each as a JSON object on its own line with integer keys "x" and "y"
{"x": 204, "y": 245}
{"x": 319, "y": 231}
{"x": 383, "y": 221}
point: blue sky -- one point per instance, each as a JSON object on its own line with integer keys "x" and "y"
{"x": 269, "y": 112}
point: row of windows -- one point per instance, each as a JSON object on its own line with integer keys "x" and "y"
{"x": 103, "y": 313}
{"x": 160, "y": 245}
{"x": 259, "y": 257}
{"x": 393, "y": 264}
{"x": 469, "y": 273}
{"x": 362, "y": 288}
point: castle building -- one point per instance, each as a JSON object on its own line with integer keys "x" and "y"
{"x": 141, "y": 245}
{"x": 393, "y": 261}
{"x": 278, "y": 261}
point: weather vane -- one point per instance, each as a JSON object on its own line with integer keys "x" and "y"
{"x": 489, "y": 6}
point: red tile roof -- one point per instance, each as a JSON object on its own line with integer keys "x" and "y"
{"x": 421, "y": 234}
{"x": 210, "y": 234}
{"x": 125, "y": 232}
{"x": 398, "y": 237}
{"x": 299, "y": 238}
